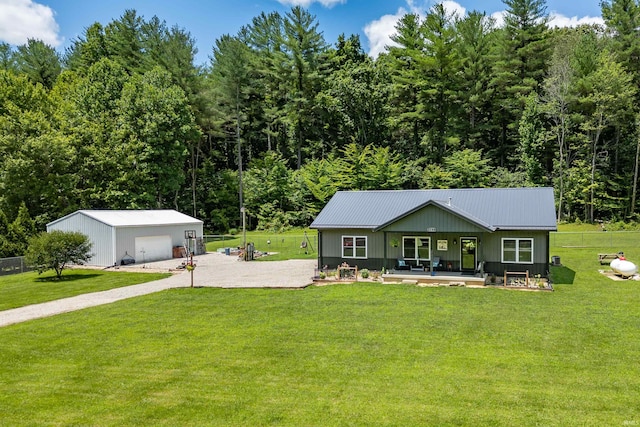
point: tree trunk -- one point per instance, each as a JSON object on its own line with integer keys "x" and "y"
{"x": 561, "y": 163}
{"x": 596, "y": 138}
{"x": 635, "y": 177}
{"x": 240, "y": 192}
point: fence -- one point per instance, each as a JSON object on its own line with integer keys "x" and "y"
{"x": 14, "y": 265}
{"x": 595, "y": 239}
{"x": 265, "y": 241}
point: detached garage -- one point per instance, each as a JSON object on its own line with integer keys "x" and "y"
{"x": 144, "y": 235}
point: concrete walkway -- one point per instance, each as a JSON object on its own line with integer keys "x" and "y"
{"x": 212, "y": 270}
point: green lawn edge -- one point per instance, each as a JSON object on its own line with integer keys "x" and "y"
{"x": 24, "y": 289}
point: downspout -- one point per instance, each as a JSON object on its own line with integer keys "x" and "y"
{"x": 547, "y": 272}
{"x": 113, "y": 245}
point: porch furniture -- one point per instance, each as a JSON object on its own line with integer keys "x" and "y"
{"x": 435, "y": 263}
{"x": 417, "y": 267}
{"x": 402, "y": 265}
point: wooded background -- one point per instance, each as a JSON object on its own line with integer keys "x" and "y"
{"x": 279, "y": 119}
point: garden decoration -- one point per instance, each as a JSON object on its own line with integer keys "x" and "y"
{"x": 190, "y": 267}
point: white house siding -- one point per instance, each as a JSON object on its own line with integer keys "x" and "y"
{"x": 100, "y": 235}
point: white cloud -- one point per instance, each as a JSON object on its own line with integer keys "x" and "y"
{"x": 557, "y": 20}
{"x": 24, "y": 19}
{"x": 379, "y": 31}
{"x": 306, "y": 3}
{"x": 498, "y": 18}
{"x": 453, "y": 8}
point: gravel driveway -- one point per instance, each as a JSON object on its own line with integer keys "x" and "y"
{"x": 212, "y": 270}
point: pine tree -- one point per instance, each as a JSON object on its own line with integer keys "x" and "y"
{"x": 522, "y": 54}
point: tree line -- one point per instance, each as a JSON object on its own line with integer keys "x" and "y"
{"x": 279, "y": 120}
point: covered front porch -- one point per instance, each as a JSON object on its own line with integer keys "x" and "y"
{"x": 435, "y": 278}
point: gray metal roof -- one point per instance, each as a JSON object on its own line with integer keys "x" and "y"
{"x": 135, "y": 218}
{"x": 489, "y": 208}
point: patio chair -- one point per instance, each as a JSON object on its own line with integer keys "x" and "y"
{"x": 435, "y": 263}
{"x": 402, "y": 265}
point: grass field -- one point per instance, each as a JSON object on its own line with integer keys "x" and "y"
{"x": 30, "y": 288}
{"x": 362, "y": 354}
{"x": 281, "y": 246}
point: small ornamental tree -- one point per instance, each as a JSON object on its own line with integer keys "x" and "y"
{"x": 57, "y": 249}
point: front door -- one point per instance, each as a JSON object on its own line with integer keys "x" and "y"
{"x": 468, "y": 249}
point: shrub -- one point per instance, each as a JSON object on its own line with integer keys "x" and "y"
{"x": 57, "y": 249}
{"x": 364, "y": 273}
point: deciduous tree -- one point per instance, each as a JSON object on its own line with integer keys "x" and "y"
{"x": 57, "y": 249}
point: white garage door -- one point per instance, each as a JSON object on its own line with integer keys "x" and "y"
{"x": 153, "y": 248}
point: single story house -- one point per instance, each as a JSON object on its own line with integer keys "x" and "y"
{"x": 133, "y": 235}
{"x": 491, "y": 229}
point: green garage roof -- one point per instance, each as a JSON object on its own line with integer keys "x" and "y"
{"x": 490, "y": 208}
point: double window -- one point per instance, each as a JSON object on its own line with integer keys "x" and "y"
{"x": 517, "y": 251}
{"x": 354, "y": 246}
{"x": 415, "y": 247}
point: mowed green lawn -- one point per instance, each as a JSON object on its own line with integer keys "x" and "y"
{"x": 362, "y": 354}
{"x": 31, "y": 288}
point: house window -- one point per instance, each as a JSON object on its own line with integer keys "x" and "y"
{"x": 354, "y": 247}
{"x": 517, "y": 251}
{"x": 414, "y": 247}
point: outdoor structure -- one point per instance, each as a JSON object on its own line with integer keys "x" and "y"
{"x": 133, "y": 235}
{"x": 490, "y": 230}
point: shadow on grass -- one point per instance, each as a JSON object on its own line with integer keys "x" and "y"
{"x": 562, "y": 275}
{"x": 66, "y": 278}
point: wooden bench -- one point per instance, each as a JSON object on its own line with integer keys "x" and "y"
{"x": 347, "y": 272}
{"x": 606, "y": 258}
{"x": 516, "y": 273}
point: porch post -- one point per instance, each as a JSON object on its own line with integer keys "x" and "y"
{"x": 320, "y": 261}
{"x": 384, "y": 262}
{"x": 547, "y": 269}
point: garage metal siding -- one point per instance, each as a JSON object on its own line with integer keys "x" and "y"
{"x": 126, "y": 237}
{"x": 100, "y": 235}
{"x": 110, "y": 243}
{"x": 154, "y": 248}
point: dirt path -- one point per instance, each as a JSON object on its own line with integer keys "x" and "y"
{"x": 213, "y": 270}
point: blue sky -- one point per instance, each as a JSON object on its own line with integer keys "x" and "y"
{"x": 58, "y": 22}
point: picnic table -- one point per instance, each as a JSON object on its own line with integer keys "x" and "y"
{"x": 606, "y": 258}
